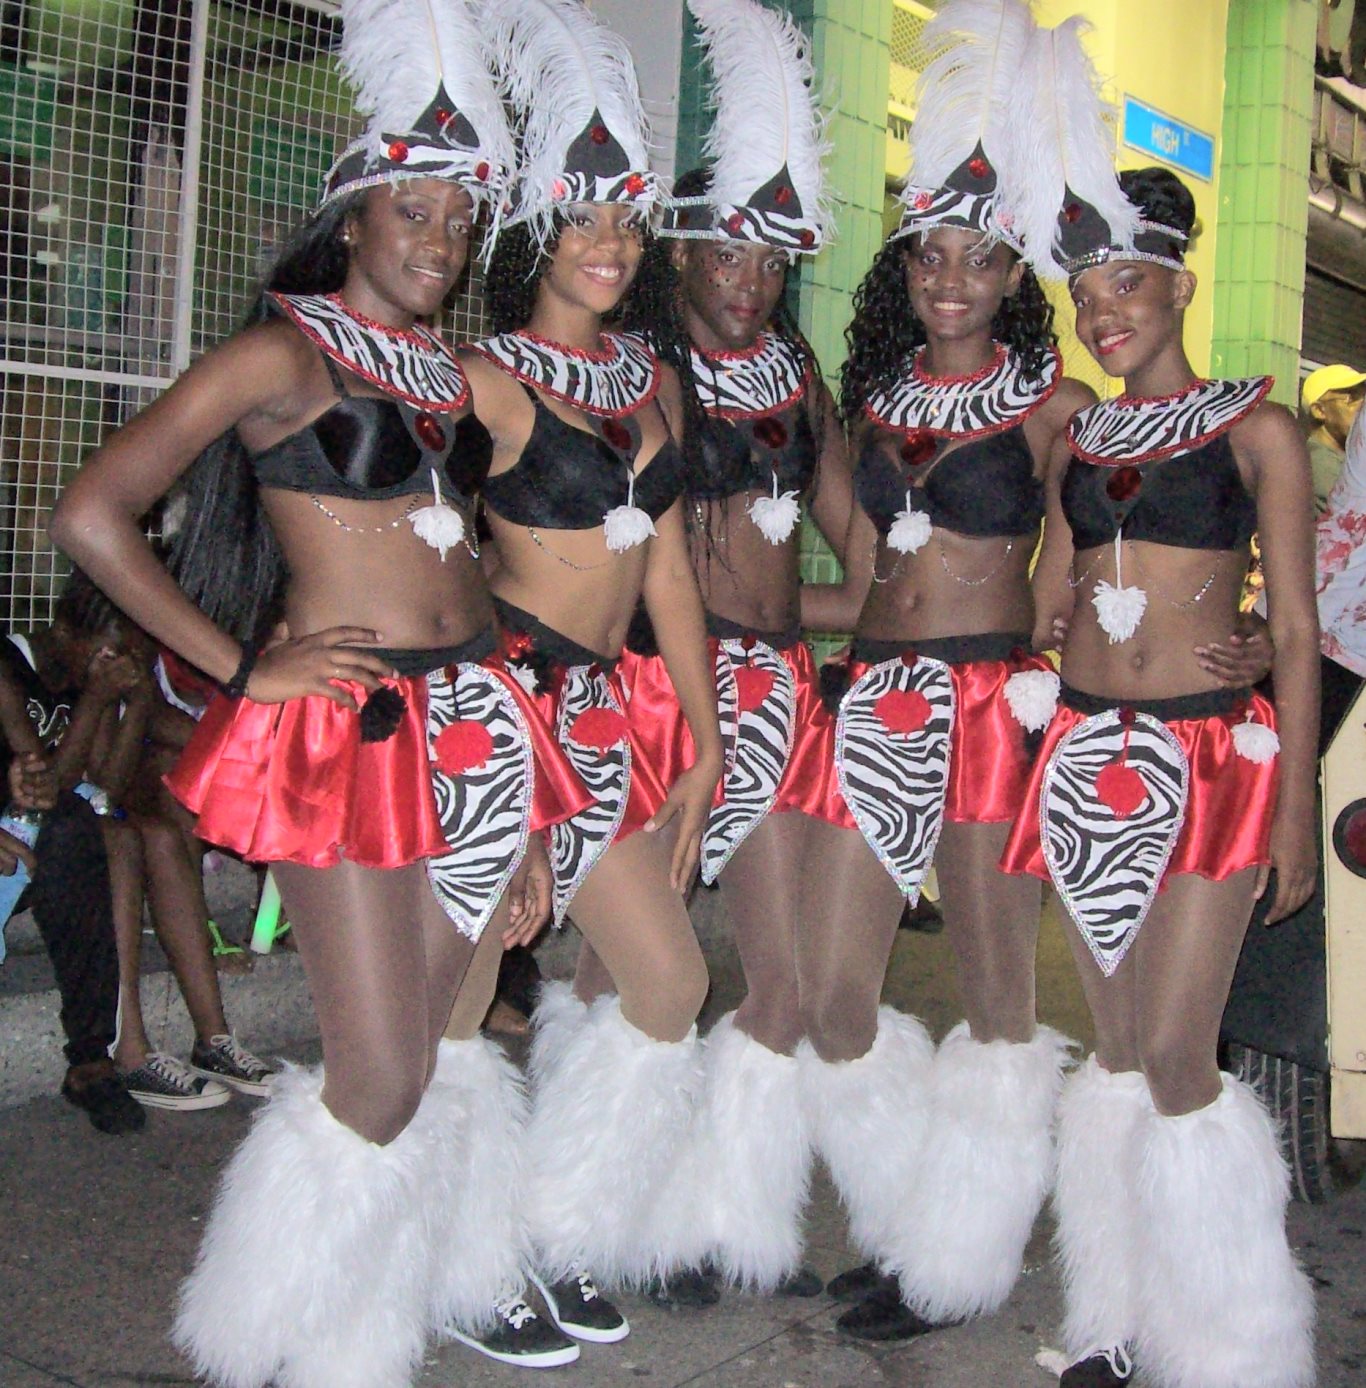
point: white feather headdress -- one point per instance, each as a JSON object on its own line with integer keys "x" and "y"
{"x": 1070, "y": 207}
{"x": 584, "y": 135}
{"x": 766, "y": 146}
{"x": 967, "y": 101}
{"x": 435, "y": 112}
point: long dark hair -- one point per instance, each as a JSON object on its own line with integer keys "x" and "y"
{"x": 224, "y": 554}
{"x": 885, "y": 331}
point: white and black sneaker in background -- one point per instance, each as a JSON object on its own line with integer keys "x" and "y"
{"x": 520, "y": 1337}
{"x": 1106, "y": 1368}
{"x": 580, "y": 1310}
{"x": 221, "y": 1058}
{"x": 161, "y": 1081}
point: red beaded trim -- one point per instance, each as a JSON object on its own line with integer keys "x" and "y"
{"x": 741, "y": 353}
{"x": 1127, "y": 400}
{"x": 610, "y": 352}
{"x": 417, "y": 335}
{"x": 971, "y": 378}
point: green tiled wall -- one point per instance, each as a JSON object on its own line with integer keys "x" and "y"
{"x": 1263, "y": 208}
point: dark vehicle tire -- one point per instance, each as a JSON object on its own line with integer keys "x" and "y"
{"x": 1297, "y": 1097}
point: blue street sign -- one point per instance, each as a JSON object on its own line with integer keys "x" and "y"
{"x": 1172, "y": 141}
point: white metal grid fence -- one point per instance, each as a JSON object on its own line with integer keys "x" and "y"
{"x": 153, "y": 153}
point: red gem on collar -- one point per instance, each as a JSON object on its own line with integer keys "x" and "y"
{"x": 397, "y": 151}
{"x": 918, "y": 447}
{"x": 599, "y": 135}
{"x": 635, "y": 185}
{"x": 429, "y": 432}
{"x": 770, "y": 432}
{"x": 1124, "y": 483}
{"x": 616, "y": 434}
{"x": 978, "y": 168}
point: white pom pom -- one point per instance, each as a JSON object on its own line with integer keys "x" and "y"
{"x": 1120, "y": 610}
{"x": 909, "y": 530}
{"x": 776, "y": 516}
{"x": 441, "y": 526}
{"x": 626, "y": 527}
{"x": 1033, "y": 698}
{"x": 1254, "y": 741}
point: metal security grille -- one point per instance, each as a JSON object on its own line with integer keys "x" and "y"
{"x": 153, "y": 154}
{"x": 909, "y": 18}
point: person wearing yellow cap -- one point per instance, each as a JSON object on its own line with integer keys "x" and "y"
{"x": 1331, "y": 397}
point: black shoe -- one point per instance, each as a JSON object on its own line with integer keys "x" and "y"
{"x": 856, "y": 1283}
{"x": 882, "y": 1315}
{"x": 804, "y": 1282}
{"x": 520, "y": 1337}
{"x": 108, "y": 1104}
{"x": 692, "y": 1289}
{"x": 580, "y": 1310}
{"x": 924, "y": 916}
{"x": 1104, "y": 1369}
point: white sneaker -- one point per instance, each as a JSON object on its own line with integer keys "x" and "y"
{"x": 520, "y": 1337}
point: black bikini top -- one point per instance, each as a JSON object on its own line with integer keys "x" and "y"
{"x": 743, "y": 455}
{"x": 985, "y": 487}
{"x": 1162, "y": 469}
{"x": 1196, "y": 500}
{"x": 568, "y": 478}
{"x": 371, "y": 448}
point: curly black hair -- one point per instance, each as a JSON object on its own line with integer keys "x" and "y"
{"x": 885, "y": 331}
{"x": 1160, "y": 196}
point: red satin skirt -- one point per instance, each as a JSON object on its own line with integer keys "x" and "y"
{"x": 1230, "y": 800}
{"x": 808, "y": 786}
{"x": 295, "y": 783}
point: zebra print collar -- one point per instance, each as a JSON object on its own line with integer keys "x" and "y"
{"x": 760, "y": 380}
{"x": 1126, "y": 430}
{"x": 989, "y": 401}
{"x": 619, "y": 380}
{"x": 413, "y": 364}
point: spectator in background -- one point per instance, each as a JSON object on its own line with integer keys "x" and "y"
{"x": 57, "y": 689}
{"x": 1331, "y": 397}
{"x": 1341, "y": 585}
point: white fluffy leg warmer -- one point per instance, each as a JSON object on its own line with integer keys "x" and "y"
{"x": 473, "y": 1118}
{"x": 1222, "y": 1301}
{"x": 613, "y": 1111}
{"x": 984, "y": 1171}
{"x": 312, "y": 1272}
{"x": 759, "y": 1158}
{"x": 868, "y": 1121}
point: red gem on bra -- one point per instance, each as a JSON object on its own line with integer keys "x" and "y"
{"x": 770, "y": 432}
{"x": 617, "y": 434}
{"x": 430, "y": 434}
{"x": 918, "y": 447}
{"x": 1124, "y": 483}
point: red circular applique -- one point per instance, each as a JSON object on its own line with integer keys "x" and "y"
{"x": 635, "y": 185}
{"x": 770, "y": 432}
{"x": 1072, "y": 212}
{"x": 807, "y": 238}
{"x": 398, "y": 151}
{"x": 431, "y": 434}
{"x": 1124, "y": 483}
{"x": 903, "y": 711}
{"x": 482, "y": 170}
{"x": 978, "y": 168}
{"x": 462, "y": 746}
{"x": 918, "y": 447}
{"x": 599, "y": 135}
{"x": 752, "y": 687}
{"x": 617, "y": 434}
{"x": 1121, "y": 788}
{"x": 783, "y": 196}
{"x": 598, "y": 727}
{"x": 922, "y": 201}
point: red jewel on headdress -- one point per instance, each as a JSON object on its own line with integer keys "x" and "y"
{"x": 921, "y": 201}
{"x": 1124, "y": 483}
{"x": 783, "y": 196}
{"x": 918, "y": 447}
{"x": 903, "y": 711}
{"x": 462, "y": 746}
{"x": 807, "y": 238}
{"x": 752, "y": 687}
{"x": 635, "y": 185}
{"x": 598, "y": 727}
{"x": 1072, "y": 212}
{"x": 599, "y": 135}
{"x": 482, "y": 170}
{"x": 431, "y": 434}
{"x": 978, "y": 168}
{"x": 443, "y": 115}
{"x": 616, "y": 434}
{"x": 398, "y": 151}
{"x": 771, "y": 432}
{"x": 735, "y": 222}
{"x": 1121, "y": 789}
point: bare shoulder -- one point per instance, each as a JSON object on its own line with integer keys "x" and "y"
{"x": 670, "y": 392}
{"x": 1270, "y": 437}
{"x": 267, "y": 366}
{"x": 1070, "y": 396}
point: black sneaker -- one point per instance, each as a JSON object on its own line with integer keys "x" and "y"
{"x": 221, "y": 1058}
{"x": 804, "y": 1282}
{"x": 882, "y": 1316}
{"x": 580, "y": 1310}
{"x": 856, "y": 1283}
{"x": 1104, "y": 1369}
{"x": 107, "y": 1103}
{"x": 692, "y": 1289}
{"x": 520, "y": 1337}
{"x": 161, "y": 1081}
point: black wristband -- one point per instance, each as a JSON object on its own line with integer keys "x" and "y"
{"x": 236, "y": 687}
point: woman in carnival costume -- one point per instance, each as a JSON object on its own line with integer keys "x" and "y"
{"x": 373, "y": 1201}
{"x": 582, "y": 499}
{"x": 761, "y": 437}
{"x": 1160, "y": 802}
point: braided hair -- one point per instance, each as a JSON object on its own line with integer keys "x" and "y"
{"x": 885, "y": 331}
